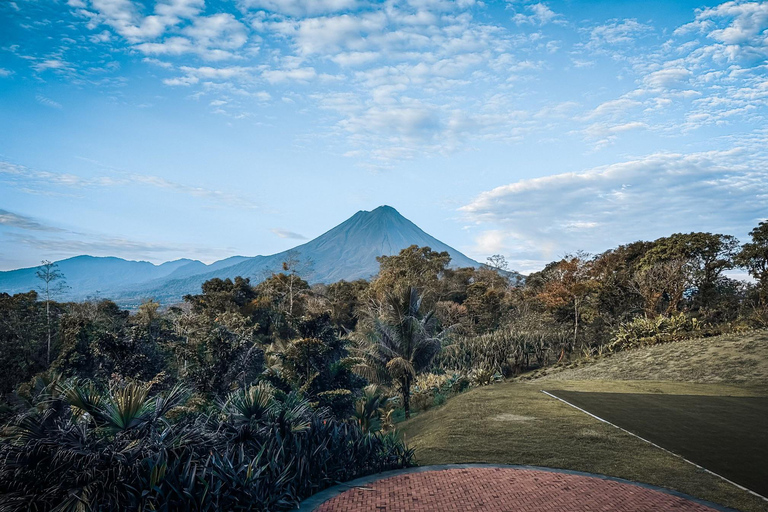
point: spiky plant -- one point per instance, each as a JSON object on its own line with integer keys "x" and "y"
{"x": 84, "y": 450}
{"x": 244, "y": 405}
{"x": 369, "y": 408}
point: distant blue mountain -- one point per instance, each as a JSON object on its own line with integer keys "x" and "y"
{"x": 89, "y": 275}
{"x": 347, "y": 252}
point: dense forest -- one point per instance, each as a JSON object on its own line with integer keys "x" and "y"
{"x": 252, "y": 396}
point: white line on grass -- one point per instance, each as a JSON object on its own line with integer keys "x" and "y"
{"x": 657, "y": 446}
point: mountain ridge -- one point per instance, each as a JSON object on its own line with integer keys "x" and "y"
{"x": 347, "y": 251}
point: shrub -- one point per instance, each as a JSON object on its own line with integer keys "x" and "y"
{"x": 430, "y": 389}
{"x": 643, "y": 331}
{"x": 77, "y": 448}
{"x": 506, "y": 352}
{"x": 483, "y": 377}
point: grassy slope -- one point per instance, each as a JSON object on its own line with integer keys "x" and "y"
{"x": 516, "y": 423}
{"x": 734, "y": 359}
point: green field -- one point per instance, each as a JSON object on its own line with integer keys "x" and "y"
{"x": 725, "y": 434}
{"x": 515, "y": 423}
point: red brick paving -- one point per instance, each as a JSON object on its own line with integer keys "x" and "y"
{"x": 504, "y": 490}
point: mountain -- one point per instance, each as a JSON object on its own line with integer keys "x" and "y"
{"x": 87, "y": 275}
{"x": 347, "y": 252}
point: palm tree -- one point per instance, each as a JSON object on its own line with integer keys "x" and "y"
{"x": 400, "y": 345}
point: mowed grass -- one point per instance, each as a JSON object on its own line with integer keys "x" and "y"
{"x": 725, "y": 434}
{"x": 515, "y": 423}
{"x": 733, "y": 358}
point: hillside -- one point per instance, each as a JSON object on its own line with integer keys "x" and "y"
{"x": 89, "y": 275}
{"x": 348, "y": 251}
{"x": 726, "y": 359}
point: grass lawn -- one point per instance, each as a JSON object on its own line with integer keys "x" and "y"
{"x": 725, "y": 434}
{"x": 515, "y": 423}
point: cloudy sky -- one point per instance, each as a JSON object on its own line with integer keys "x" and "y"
{"x": 199, "y": 128}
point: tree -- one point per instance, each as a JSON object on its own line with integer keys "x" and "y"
{"x": 498, "y": 261}
{"x": 294, "y": 267}
{"x": 400, "y": 345}
{"x": 223, "y": 295}
{"x": 705, "y": 257}
{"x": 281, "y": 299}
{"x": 416, "y": 267}
{"x": 754, "y": 257}
{"x": 659, "y": 281}
{"x": 53, "y": 283}
{"x": 344, "y": 301}
{"x": 616, "y": 300}
{"x": 22, "y": 335}
{"x": 568, "y": 284}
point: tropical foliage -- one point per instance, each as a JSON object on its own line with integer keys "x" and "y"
{"x": 252, "y": 396}
{"x": 402, "y": 343}
{"x": 77, "y": 448}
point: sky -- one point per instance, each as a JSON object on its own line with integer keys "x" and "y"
{"x": 155, "y": 130}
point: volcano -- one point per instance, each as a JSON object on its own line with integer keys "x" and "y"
{"x": 348, "y": 252}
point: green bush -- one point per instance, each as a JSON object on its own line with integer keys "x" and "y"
{"x": 506, "y": 352}
{"x": 76, "y": 448}
{"x": 643, "y": 331}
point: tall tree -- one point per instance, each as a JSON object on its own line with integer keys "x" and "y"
{"x": 294, "y": 268}
{"x": 498, "y": 261}
{"x": 400, "y": 345}
{"x": 416, "y": 267}
{"x": 22, "y": 335}
{"x": 754, "y": 257}
{"x": 52, "y": 283}
{"x": 705, "y": 255}
{"x": 568, "y": 285}
{"x": 344, "y": 302}
{"x": 659, "y": 281}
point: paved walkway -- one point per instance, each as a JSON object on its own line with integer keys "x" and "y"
{"x": 499, "y": 489}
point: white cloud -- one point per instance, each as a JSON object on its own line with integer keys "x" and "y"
{"x": 491, "y": 242}
{"x": 610, "y": 37}
{"x": 212, "y": 37}
{"x": 282, "y": 75}
{"x": 15, "y": 220}
{"x": 352, "y": 59}
{"x": 667, "y": 78}
{"x": 102, "y": 37}
{"x": 183, "y": 81}
{"x": 541, "y": 14}
{"x": 76, "y": 243}
{"x": 159, "y": 63}
{"x": 5, "y": 72}
{"x": 283, "y": 233}
{"x": 425, "y": 77}
{"x": 193, "y": 75}
{"x": 738, "y": 28}
{"x": 613, "y": 108}
{"x": 128, "y": 21}
{"x": 48, "y": 102}
{"x": 170, "y": 46}
{"x": 35, "y": 180}
{"x": 722, "y": 191}
{"x": 219, "y": 30}
{"x": 330, "y": 34}
{"x": 49, "y": 64}
{"x": 300, "y": 7}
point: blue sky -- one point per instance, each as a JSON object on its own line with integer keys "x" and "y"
{"x": 193, "y": 128}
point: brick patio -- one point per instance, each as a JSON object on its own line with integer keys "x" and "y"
{"x": 500, "y": 489}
